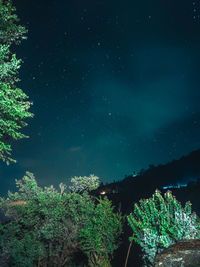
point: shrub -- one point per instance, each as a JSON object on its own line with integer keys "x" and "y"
{"x": 99, "y": 237}
{"x": 46, "y": 222}
{"x": 48, "y": 227}
{"x": 159, "y": 222}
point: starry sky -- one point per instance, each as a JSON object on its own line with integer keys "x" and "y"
{"x": 114, "y": 86}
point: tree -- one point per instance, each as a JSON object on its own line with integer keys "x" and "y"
{"x": 47, "y": 227}
{"x": 13, "y": 107}
{"x": 99, "y": 237}
{"x": 47, "y": 222}
{"x": 159, "y": 222}
{"x": 84, "y": 183}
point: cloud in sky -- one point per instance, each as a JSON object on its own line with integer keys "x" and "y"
{"x": 154, "y": 101}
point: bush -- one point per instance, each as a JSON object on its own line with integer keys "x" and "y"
{"x": 48, "y": 227}
{"x": 159, "y": 222}
{"x": 98, "y": 237}
{"x": 46, "y": 221}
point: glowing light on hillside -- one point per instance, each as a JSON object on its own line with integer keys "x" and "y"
{"x": 174, "y": 186}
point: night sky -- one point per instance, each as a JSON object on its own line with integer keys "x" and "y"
{"x": 114, "y": 86}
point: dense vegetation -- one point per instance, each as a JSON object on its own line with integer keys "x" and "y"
{"x": 48, "y": 227}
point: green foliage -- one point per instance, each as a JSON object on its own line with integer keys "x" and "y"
{"x": 98, "y": 237}
{"x": 13, "y": 107}
{"x": 24, "y": 245}
{"x": 84, "y": 183}
{"x": 159, "y": 222}
{"x": 48, "y": 216}
{"x": 10, "y": 31}
{"x": 50, "y": 226}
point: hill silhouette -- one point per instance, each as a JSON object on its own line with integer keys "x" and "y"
{"x": 177, "y": 174}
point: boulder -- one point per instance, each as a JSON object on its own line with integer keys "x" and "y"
{"x": 185, "y": 253}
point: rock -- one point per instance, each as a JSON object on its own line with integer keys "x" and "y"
{"x": 185, "y": 253}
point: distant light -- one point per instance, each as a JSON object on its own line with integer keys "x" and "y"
{"x": 102, "y": 192}
{"x": 168, "y": 186}
{"x": 19, "y": 202}
{"x": 174, "y": 186}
